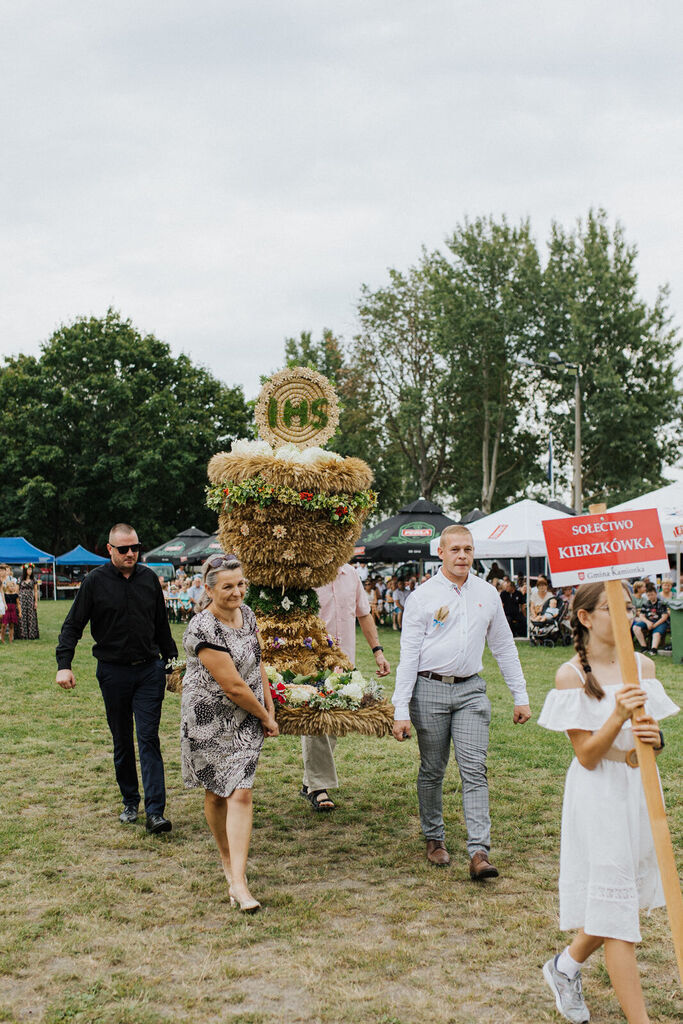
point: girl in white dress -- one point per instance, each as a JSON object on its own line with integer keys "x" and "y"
{"x": 608, "y": 867}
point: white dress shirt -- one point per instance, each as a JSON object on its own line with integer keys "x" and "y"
{"x": 454, "y": 647}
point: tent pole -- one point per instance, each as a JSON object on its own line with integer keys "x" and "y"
{"x": 528, "y": 603}
{"x": 54, "y": 579}
{"x": 678, "y": 568}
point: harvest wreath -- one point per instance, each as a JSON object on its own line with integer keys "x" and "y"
{"x": 321, "y": 702}
{"x": 292, "y": 512}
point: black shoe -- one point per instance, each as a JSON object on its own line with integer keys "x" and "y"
{"x": 129, "y": 814}
{"x": 157, "y": 823}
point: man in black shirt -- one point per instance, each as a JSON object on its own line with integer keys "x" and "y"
{"x": 124, "y": 604}
{"x": 512, "y": 606}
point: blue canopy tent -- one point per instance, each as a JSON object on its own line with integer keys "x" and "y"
{"x": 18, "y": 551}
{"x": 80, "y": 556}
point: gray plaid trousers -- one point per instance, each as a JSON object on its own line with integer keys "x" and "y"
{"x": 459, "y": 713}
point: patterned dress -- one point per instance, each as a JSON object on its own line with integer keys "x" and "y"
{"x": 29, "y": 615}
{"x": 220, "y": 742}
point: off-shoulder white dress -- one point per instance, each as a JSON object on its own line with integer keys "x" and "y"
{"x": 608, "y": 867}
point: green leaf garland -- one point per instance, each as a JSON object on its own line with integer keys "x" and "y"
{"x": 341, "y": 508}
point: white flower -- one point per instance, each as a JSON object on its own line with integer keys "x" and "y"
{"x": 307, "y": 456}
{"x": 332, "y": 681}
{"x": 299, "y": 693}
{"x": 353, "y": 690}
{"x": 286, "y": 603}
{"x": 263, "y": 595}
{"x": 246, "y": 447}
{"x": 357, "y": 677}
{"x": 272, "y": 673}
{"x": 304, "y": 600}
{"x": 288, "y": 453}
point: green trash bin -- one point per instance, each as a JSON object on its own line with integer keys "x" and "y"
{"x": 676, "y": 611}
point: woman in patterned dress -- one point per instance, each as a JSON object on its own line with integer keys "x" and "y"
{"x": 28, "y": 596}
{"x": 226, "y": 711}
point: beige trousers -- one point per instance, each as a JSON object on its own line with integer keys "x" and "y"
{"x": 319, "y": 768}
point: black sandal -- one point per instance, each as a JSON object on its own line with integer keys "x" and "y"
{"x": 321, "y": 804}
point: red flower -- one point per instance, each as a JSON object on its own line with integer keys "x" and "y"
{"x": 306, "y": 495}
{"x": 226, "y": 490}
{"x": 341, "y": 510}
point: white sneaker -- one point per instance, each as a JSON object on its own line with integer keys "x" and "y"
{"x": 568, "y": 993}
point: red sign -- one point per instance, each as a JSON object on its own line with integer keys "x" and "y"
{"x": 606, "y": 546}
{"x": 359, "y": 550}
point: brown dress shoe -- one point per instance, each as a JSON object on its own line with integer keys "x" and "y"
{"x": 481, "y": 866}
{"x": 437, "y": 853}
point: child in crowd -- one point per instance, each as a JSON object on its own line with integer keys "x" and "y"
{"x": 608, "y": 867}
{"x": 551, "y": 610}
{"x": 12, "y": 615}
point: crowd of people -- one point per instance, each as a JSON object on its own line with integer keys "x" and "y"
{"x": 388, "y": 595}
{"x": 549, "y": 609}
{"x": 18, "y": 604}
{"x": 182, "y": 595}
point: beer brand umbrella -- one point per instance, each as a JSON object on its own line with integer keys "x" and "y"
{"x": 177, "y": 549}
{"x": 404, "y": 537}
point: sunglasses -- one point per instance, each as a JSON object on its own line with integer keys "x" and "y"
{"x": 225, "y": 560}
{"x": 123, "y": 549}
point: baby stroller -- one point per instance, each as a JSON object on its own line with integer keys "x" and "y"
{"x": 552, "y": 632}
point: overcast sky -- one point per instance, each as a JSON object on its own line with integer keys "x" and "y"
{"x": 227, "y": 174}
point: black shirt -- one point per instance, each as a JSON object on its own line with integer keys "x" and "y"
{"x": 127, "y": 616}
{"x": 512, "y": 604}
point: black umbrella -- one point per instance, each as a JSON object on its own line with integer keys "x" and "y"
{"x": 176, "y": 550}
{"x": 404, "y": 537}
{"x": 203, "y": 549}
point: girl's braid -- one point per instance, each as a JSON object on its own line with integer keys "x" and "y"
{"x": 592, "y": 686}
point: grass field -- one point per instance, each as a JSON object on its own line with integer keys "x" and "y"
{"x": 103, "y": 923}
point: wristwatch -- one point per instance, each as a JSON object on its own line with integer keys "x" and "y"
{"x": 377, "y": 648}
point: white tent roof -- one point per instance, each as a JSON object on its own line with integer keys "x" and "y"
{"x": 669, "y": 503}
{"x": 514, "y": 532}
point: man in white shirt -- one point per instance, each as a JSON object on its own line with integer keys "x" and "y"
{"x": 439, "y": 690}
{"x": 341, "y": 602}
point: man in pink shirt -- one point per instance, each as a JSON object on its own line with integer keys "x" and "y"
{"x": 341, "y": 603}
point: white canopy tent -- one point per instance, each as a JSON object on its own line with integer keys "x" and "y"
{"x": 668, "y": 501}
{"x": 513, "y": 532}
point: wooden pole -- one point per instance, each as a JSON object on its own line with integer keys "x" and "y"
{"x": 648, "y": 770}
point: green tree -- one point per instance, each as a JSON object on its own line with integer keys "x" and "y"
{"x": 405, "y": 374}
{"x": 361, "y": 431}
{"x": 593, "y": 316}
{"x": 491, "y": 278}
{"x": 107, "y": 425}
{"x": 441, "y": 346}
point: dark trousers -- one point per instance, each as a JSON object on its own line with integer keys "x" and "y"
{"x": 136, "y": 692}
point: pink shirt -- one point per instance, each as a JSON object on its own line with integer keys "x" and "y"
{"x": 341, "y": 602}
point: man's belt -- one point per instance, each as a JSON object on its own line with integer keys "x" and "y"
{"x": 444, "y": 679}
